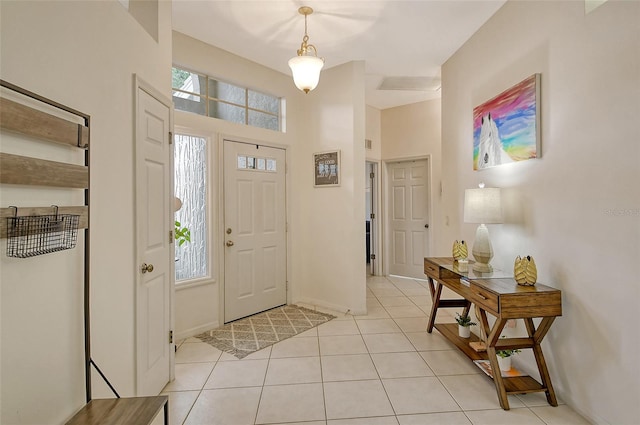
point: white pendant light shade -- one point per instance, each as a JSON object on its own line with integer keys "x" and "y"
{"x": 307, "y": 65}
{"x": 306, "y": 71}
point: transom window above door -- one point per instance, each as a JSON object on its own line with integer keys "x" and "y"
{"x": 204, "y": 95}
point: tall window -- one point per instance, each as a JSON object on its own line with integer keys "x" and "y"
{"x": 204, "y": 95}
{"x": 191, "y": 187}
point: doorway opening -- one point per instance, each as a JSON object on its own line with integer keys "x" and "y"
{"x": 371, "y": 218}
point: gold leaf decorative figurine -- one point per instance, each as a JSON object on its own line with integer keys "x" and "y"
{"x": 518, "y": 271}
{"x": 460, "y": 251}
{"x": 525, "y": 271}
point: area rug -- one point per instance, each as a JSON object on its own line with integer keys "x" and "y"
{"x": 261, "y": 330}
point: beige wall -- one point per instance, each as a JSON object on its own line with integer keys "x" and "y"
{"x": 373, "y": 132}
{"x": 411, "y": 130}
{"x": 577, "y": 208}
{"x": 329, "y": 232}
{"x": 84, "y": 55}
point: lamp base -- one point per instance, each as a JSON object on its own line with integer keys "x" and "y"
{"x": 482, "y": 250}
{"x": 482, "y": 267}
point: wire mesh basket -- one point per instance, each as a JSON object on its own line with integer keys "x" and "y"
{"x": 28, "y": 236}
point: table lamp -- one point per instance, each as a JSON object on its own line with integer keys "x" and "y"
{"x": 482, "y": 206}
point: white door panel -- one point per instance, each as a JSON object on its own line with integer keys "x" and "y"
{"x": 255, "y": 220}
{"x": 408, "y": 224}
{"x": 153, "y": 246}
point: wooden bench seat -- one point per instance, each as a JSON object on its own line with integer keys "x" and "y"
{"x": 122, "y": 411}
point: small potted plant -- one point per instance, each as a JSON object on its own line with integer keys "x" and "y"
{"x": 504, "y": 358}
{"x": 464, "y": 322}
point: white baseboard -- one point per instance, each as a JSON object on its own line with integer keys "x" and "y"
{"x": 188, "y": 333}
{"x": 329, "y": 307}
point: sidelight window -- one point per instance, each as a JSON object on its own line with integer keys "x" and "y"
{"x": 191, "y": 187}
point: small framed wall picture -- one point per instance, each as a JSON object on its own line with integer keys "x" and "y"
{"x": 326, "y": 169}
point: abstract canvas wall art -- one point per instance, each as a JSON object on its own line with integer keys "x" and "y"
{"x": 506, "y": 128}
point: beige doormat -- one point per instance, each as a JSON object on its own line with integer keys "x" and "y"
{"x": 261, "y": 330}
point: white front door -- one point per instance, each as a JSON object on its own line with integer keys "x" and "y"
{"x": 408, "y": 217}
{"x": 255, "y": 229}
{"x": 153, "y": 243}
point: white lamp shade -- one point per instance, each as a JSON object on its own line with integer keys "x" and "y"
{"x": 306, "y": 71}
{"x": 482, "y": 205}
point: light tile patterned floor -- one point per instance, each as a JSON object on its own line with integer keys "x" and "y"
{"x": 378, "y": 369}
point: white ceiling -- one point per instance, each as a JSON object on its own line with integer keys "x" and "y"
{"x": 395, "y": 38}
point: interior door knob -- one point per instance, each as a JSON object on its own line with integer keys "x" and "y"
{"x": 146, "y": 268}
{"x": 426, "y": 226}
{"x": 229, "y": 243}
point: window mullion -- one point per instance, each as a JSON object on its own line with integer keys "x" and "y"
{"x": 246, "y": 106}
{"x": 207, "y": 95}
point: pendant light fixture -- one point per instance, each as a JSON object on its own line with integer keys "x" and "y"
{"x": 306, "y": 65}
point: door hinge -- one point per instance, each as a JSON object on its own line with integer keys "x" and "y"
{"x": 373, "y": 216}
{"x": 170, "y": 337}
{"x": 371, "y": 175}
{"x": 170, "y": 138}
{"x": 373, "y": 256}
{"x": 170, "y": 236}
{"x": 286, "y": 285}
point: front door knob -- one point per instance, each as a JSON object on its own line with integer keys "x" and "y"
{"x": 146, "y": 268}
{"x": 229, "y": 243}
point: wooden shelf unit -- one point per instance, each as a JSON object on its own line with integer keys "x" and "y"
{"x": 504, "y": 299}
{"x": 450, "y": 331}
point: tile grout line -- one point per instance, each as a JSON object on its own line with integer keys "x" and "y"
{"x": 264, "y": 382}
{"x": 201, "y": 390}
{"x": 324, "y": 396}
{"x": 438, "y": 377}
{"x": 423, "y": 359}
{"x": 395, "y": 414}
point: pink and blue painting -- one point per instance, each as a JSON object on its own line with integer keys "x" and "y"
{"x": 506, "y": 128}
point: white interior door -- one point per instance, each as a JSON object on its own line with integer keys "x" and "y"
{"x": 408, "y": 217}
{"x": 255, "y": 229}
{"x": 153, "y": 243}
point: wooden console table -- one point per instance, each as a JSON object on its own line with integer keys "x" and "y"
{"x": 502, "y": 297}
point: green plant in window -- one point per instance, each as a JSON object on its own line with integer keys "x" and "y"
{"x": 178, "y": 77}
{"x": 182, "y": 234}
